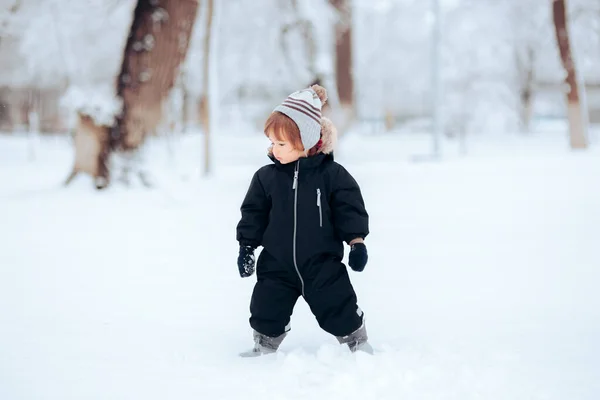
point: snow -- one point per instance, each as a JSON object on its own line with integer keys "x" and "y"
{"x": 481, "y": 283}
{"x": 53, "y": 44}
{"x": 97, "y": 101}
{"x": 483, "y": 272}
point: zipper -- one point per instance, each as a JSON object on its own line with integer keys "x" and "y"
{"x": 295, "y": 187}
{"x": 319, "y": 205}
{"x": 295, "y": 184}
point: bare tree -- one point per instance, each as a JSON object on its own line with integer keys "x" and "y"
{"x": 11, "y": 11}
{"x": 204, "y": 104}
{"x": 156, "y": 46}
{"x": 305, "y": 28}
{"x": 525, "y": 61}
{"x": 575, "y": 111}
{"x": 90, "y": 140}
{"x": 343, "y": 54}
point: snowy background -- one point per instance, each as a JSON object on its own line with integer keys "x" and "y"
{"x": 484, "y": 266}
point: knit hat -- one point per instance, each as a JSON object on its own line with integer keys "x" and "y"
{"x": 304, "y": 108}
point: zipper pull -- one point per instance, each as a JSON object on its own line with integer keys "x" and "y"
{"x": 295, "y": 184}
{"x": 318, "y": 197}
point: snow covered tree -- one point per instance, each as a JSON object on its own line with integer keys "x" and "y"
{"x": 156, "y": 46}
{"x": 307, "y": 43}
{"x": 575, "y": 111}
{"x": 481, "y": 94}
{"x": 499, "y": 61}
{"x": 298, "y": 29}
{"x": 528, "y": 38}
{"x": 391, "y": 44}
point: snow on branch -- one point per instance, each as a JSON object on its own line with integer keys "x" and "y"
{"x": 97, "y": 101}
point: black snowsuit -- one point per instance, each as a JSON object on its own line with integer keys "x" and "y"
{"x": 301, "y": 213}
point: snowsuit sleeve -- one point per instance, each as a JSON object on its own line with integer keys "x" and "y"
{"x": 350, "y": 218}
{"x": 255, "y": 214}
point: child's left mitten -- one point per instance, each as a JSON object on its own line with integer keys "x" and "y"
{"x": 358, "y": 257}
{"x": 245, "y": 261}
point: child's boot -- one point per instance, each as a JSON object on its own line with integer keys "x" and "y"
{"x": 357, "y": 340}
{"x": 264, "y": 344}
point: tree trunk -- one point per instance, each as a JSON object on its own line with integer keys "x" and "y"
{"x": 343, "y": 53}
{"x": 577, "y": 125}
{"x": 91, "y": 141}
{"x": 204, "y": 104}
{"x": 158, "y": 43}
{"x": 185, "y": 101}
{"x": 526, "y": 108}
{"x": 156, "y": 46}
{"x": 525, "y": 64}
{"x": 319, "y": 75}
{"x": 305, "y": 27}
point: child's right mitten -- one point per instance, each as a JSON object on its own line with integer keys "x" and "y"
{"x": 245, "y": 261}
{"x": 357, "y": 259}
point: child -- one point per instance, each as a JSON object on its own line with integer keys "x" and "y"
{"x": 301, "y": 209}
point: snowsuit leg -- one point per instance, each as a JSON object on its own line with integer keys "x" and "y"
{"x": 274, "y": 297}
{"x": 332, "y": 300}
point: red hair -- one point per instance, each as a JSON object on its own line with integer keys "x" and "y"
{"x": 284, "y": 128}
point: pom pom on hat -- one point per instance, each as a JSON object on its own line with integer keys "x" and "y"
{"x": 321, "y": 92}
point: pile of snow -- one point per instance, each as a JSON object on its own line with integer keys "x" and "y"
{"x": 481, "y": 283}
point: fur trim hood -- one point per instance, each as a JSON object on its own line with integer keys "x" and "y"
{"x": 329, "y": 136}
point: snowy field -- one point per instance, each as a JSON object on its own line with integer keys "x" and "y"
{"x": 482, "y": 281}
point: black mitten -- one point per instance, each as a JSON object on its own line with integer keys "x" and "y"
{"x": 357, "y": 259}
{"x": 246, "y": 261}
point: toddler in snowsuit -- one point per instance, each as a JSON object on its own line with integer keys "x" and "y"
{"x": 301, "y": 208}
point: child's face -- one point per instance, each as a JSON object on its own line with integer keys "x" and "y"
{"x": 284, "y": 151}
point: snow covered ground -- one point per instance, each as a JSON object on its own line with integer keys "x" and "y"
{"x": 482, "y": 281}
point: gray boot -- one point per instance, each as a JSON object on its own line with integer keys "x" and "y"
{"x": 264, "y": 344}
{"x": 357, "y": 340}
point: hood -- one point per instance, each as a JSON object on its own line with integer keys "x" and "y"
{"x": 329, "y": 136}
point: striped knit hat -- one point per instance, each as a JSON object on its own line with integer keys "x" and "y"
{"x": 304, "y": 108}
